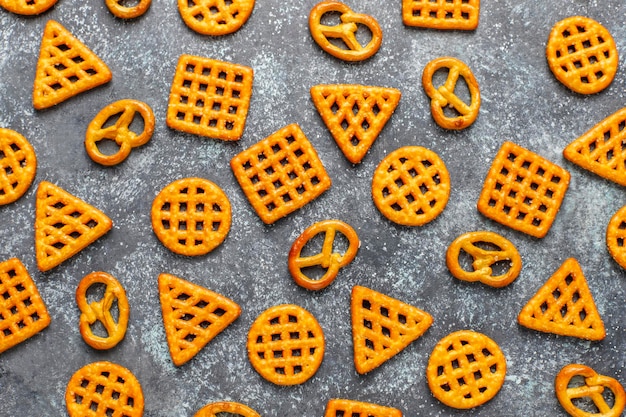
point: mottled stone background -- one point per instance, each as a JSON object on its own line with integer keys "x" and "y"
{"x": 522, "y": 102}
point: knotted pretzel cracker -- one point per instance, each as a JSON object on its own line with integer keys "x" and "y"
{"x": 215, "y": 17}
{"x": 220, "y": 408}
{"x": 616, "y": 237}
{"x": 350, "y": 408}
{"x": 18, "y": 164}
{"x": 441, "y": 14}
{"x": 118, "y": 8}
{"x": 27, "y": 7}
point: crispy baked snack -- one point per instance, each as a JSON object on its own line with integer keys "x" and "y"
{"x": 192, "y": 316}
{"x": 27, "y": 7}
{"x": 564, "y": 306}
{"x": 280, "y": 174}
{"x": 600, "y": 150}
{"x": 350, "y": 408}
{"x": 215, "y": 17}
{"x": 355, "y": 114}
{"x": 118, "y": 8}
{"x": 465, "y": 369}
{"x": 18, "y": 165}
{"x": 487, "y": 250}
{"x": 66, "y": 67}
{"x": 444, "y": 95}
{"x": 286, "y": 345}
{"x": 22, "y": 311}
{"x": 119, "y": 132}
{"x": 191, "y": 216}
{"x": 411, "y": 186}
{"x": 331, "y": 262}
{"x": 100, "y": 310}
{"x": 382, "y": 327}
{"x": 345, "y": 31}
{"x": 104, "y": 389}
{"x": 593, "y": 388}
{"x": 523, "y": 190}
{"x": 441, "y": 14}
{"x": 582, "y": 54}
{"x": 209, "y": 98}
{"x": 219, "y": 408}
{"x": 64, "y": 225}
{"x": 616, "y": 237}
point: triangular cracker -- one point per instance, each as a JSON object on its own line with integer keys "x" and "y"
{"x": 564, "y": 306}
{"x": 355, "y": 114}
{"x": 382, "y": 326}
{"x": 192, "y": 316}
{"x": 350, "y": 408}
{"x": 64, "y": 225}
{"x": 66, "y": 67}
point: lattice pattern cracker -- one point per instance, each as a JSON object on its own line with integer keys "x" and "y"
{"x": 441, "y": 14}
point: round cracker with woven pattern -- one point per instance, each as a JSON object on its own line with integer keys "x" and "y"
{"x": 226, "y": 407}
{"x": 18, "y": 165}
{"x": 215, "y": 17}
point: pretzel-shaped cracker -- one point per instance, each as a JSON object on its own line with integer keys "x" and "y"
{"x": 594, "y": 386}
{"x": 101, "y": 310}
{"x": 444, "y": 95}
{"x": 226, "y": 407}
{"x": 331, "y": 261}
{"x": 119, "y": 10}
{"x": 120, "y": 131}
{"x": 345, "y": 31}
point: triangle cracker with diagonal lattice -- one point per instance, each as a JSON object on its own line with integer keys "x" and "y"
{"x": 192, "y": 316}
{"x": 355, "y": 114}
{"x": 382, "y": 326}
{"x": 564, "y": 306}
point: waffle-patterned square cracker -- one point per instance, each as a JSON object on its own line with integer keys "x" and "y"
{"x": 441, "y": 14}
{"x": 215, "y": 17}
{"x": 192, "y": 316}
{"x": 18, "y": 164}
{"x": 27, "y": 7}
{"x": 355, "y": 114}
{"x": 64, "y": 225}
{"x": 351, "y": 408}
{"x": 382, "y": 326}
{"x": 523, "y": 190}
{"x": 564, "y": 306}
{"x": 66, "y": 67}
{"x": 280, "y": 174}
{"x": 209, "y": 97}
{"x": 22, "y": 311}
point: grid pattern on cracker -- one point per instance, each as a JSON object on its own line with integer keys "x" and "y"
{"x": 226, "y": 407}
{"x": 215, "y": 17}
{"x": 564, "y": 306}
{"x": 18, "y": 164}
{"x": 66, "y": 67}
{"x": 441, "y": 14}
{"x": 351, "y": 408}
{"x": 191, "y": 216}
{"x": 209, "y": 97}
{"x": 64, "y": 225}
{"x": 22, "y": 311}
{"x": 602, "y": 150}
{"x": 192, "y": 316}
{"x": 355, "y": 114}
{"x": 104, "y": 388}
{"x": 27, "y": 7}
{"x": 465, "y": 369}
{"x": 523, "y": 190}
{"x": 280, "y": 174}
{"x": 616, "y": 237}
{"x": 382, "y": 326}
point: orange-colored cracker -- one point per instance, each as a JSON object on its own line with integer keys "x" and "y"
{"x": 411, "y": 186}
{"x": 192, "y": 316}
{"x": 191, "y": 216}
{"x": 217, "y": 409}
{"x": 209, "y": 98}
{"x": 582, "y": 54}
{"x": 280, "y": 174}
{"x": 27, "y": 7}
{"x": 215, "y": 17}
{"x": 103, "y": 389}
{"x": 100, "y": 310}
{"x": 118, "y": 8}
{"x": 331, "y": 262}
{"x": 444, "y": 95}
{"x": 487, "y": 250}
{"x": 119, "y": 132}
{"x": 64, "y": 225}
{"x": 465, "y": 369}
{"x": 286, "y": 345}
{"x": 344, "y": 31}
{"x": 600, "y": 150}
{"x": 616, "y": 237}
{"x": 66, "y": 67}
{"x": 523, "y": 190}
{"x": 441, "y": 14}
{"x": 382, "y": 326}
{"x": 18, "y": 165}
{"x": 593, "y": 387}
{"x": 355, "y": 114}
{"x": 22, "y": 311}
{"x": 351, "y": 408}
{"x": 564, "y": 306}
